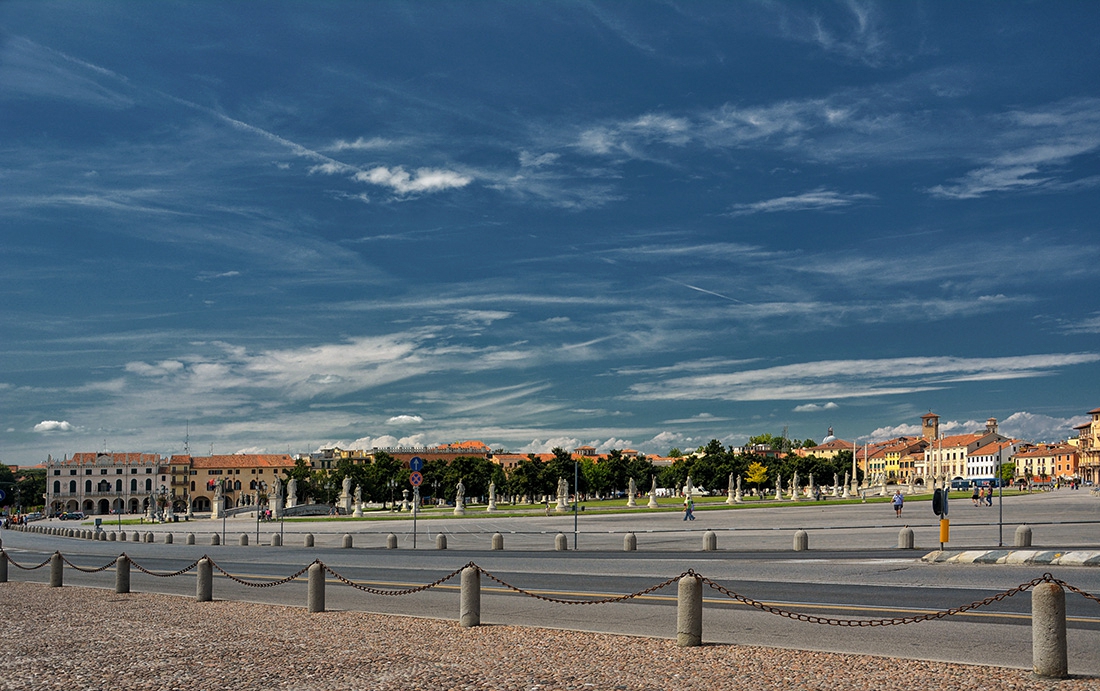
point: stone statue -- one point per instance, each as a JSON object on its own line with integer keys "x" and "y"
{"x": 632, "y": 489}
{"x": 846, "y": 494}
{"x": 836, "y": 485}
{"x": 492, "y": 497}
{"x": 778, "y": 487}
{"x": 276, "y": 503}
{"x": 738, "y": 496}
{"x": 795, "y": 488}
{"x": 292, "y": 493}
{"x": 357, "y": 509}
{"x": 563, "y": 495}
{"x": 688, "y": 489}
{"x": 653, "y": 493}
{"x": 346, "y": 487}
{"x": 460, "y": 498}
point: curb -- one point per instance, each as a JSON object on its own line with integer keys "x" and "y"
{"x": 1016, "y": 557}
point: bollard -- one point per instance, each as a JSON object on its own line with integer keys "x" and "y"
{"x": 905, "y": 538}
{"x": 168, "y": 538}
{"x": 689, "y": 612}
{"x": 122, "y": 574}
{"x": 710, "y": 541}
{"x": 561, "y": 543}
{"x": 190, "y": 539}
{"x": 347, "y": 541}
{"x": 469, "y": 612}
{"x": 1023, "y": 536}
{"x": 136, "y": 537}
{"x": 215, "y": 539}
{"x": 3, "y": 566}
{"x": 391, "y": 541}
{"x": 441, "y": 541}
{"x": 308, "y": 542}
{"x": 1048, "y": 631}
{"x": 801, "y": 541}
{"x": 316, "y": 596}
{"x": 630, "y": 542}
{"x": 122, "y": 536}
{"x": 111, "y": 537}
{"x": 56, "y": 570}
{"x": 498, "y": 541}
{"x": 148, "y": 537}
{"x": 204, "y": 581}
{"x": 276, "y": 540}
{"x": 243, "y": 540}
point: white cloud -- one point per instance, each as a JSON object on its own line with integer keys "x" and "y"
{"x": 1038, "y": 427}
{"x": 361, "y": 144}
{"x": 884, "y": 433}
{"x": 815, "y": 408}
{"x": 613, "y": 443}
{"x": 54, "y": 426}
{"x": 817, "y": 200}
{"x": 160, "y": 369}
{"x": 405, "y": 419}
{"x": 425, "y": 179}
{"x": 851, "y": 378}
{"x": 537, "y": 446}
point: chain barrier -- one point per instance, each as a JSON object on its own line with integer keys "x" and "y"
{"x": 601, "y": 601}
{"x": 690, "y": 573}
{"x": 89, "y": 570}
{"x": 146, "y": 571}
{"x": 264, "y": 584}
{"x": 406, "y": 591}
{"x": 20, "y": 566}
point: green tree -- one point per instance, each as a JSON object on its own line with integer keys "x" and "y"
{"x": 674, "y": 452}
{"x": 756, "y": 474}
{"x": 525, "y": 479}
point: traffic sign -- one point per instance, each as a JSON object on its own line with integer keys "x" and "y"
{"x": 417, "y": 463}
{"x": 415, "y": 478}
{"x": 3, "y": 495}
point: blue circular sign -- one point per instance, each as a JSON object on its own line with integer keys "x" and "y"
{"x": 3, "y": 495}
{"x": 417, "y": 463}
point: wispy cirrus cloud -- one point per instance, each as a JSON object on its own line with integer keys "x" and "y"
{"x": 852, "y": 378}
{"x": 421, "y": 180}
{"x": 820, "y": 199}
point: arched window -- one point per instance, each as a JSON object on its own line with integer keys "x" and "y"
{"x": 72, "y": 486}
{"x": 237, "y": 485}
{"x": 192, "y": 485}
{"x": 148, "y": 484}
{"x": 133, "y": 485}
{"x": 118, "y": 485}
{"x": 57, "y": 486}
{"x": 87, "y": 485}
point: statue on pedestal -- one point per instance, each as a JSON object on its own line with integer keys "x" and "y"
{"x": 460, "y": 498}
{"x": 563, "y": 495}
{"x": 796, "y": 490}
{"x": 738, "y": 497}
{"x": 632, "y": 489}
{"x": 292, "y": 493}
{"x": 653, "y": 494}
{"x": 357, "y": 512}
{"x": 729, "y": 490}
{"x": 492, "y": 497}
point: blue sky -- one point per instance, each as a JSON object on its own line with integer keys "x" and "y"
{"x": 280, "y": 226}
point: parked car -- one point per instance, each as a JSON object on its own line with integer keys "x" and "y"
{"x": 72, "y": 516}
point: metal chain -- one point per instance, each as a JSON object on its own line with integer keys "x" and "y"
{"x": 144, "y": 570}
{"x": 266, "y": 584}
{"x": 90, "y": 570}
{"x": 1073, "y": 589}
{"x": 20, "y": 566}
{"x": 407, "y": 591}
{"x": 606, "y": 600}
{"x": 896, "y": 621}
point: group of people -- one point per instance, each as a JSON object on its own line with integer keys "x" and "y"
{"x": 982, "y": 496}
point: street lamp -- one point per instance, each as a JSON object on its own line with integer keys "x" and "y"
{"x": 261, "y": 486}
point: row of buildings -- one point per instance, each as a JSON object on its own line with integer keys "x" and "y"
{"x": 109, "y": 483}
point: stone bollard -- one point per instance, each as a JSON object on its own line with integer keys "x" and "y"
{"x": 122, "y": 574}
{"x": 308, "y": 541}
{"x": 561, "y": 543}
{"x": 168, "y": 539}
{"x": 148, "y": 537}
{"x": 136, "y": 537}
{"x": 689, "y": 612}
{"x": 276, "y": 540}
{"x": 190, "y": 539}
{"x": 215, "y": 539}
{"x": 1048, "y": 631}
{"x": 122, "y": 536}
{"x": 391, "y": 541}
{"x": 57, "y": 577}
{"x": 243, "y": 540}
{"x": 441, "y": 541}
{"x": 316, "y": 596}
{"x": 710, "y": 541}
{"x": 469, "y": 612}
{"x": 3, "y": 567}
{"x": 630, "y": 542}
{"x": 204, "y": 581}
{"x": 498, "y": 541}
{"x": 1023, "y": 536}
{"x": 111, "y": 537}
{"x": 905, "y": 538}
{"x": 346, "y": 544}
{"x": 101, "y": 536}
{"x": 801, "y": 541}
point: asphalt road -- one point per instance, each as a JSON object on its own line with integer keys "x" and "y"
{"x": 861, "y": 576}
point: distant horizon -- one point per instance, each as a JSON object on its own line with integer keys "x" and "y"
{"x": 283, "y": 226}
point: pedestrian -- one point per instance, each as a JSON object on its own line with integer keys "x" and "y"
{"x": 974, "y": 498}
{"x": 989, "y": 496}
{"x": 898, "y": 502}
{"x": 689, "y": 510}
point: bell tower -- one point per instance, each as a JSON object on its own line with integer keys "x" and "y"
{"x": 930, "y": 426}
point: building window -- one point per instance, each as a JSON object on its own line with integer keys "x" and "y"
{"x": 118, "y": 485}
{"x": 57, "y": 486}
{"x": 148, "y": 484}
{"x": 133, "y": 484}
{"x": 72, "y": 486}
{"x": 87, "y": 485}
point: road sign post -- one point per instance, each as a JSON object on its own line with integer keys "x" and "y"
{"x": 415, "y": 479}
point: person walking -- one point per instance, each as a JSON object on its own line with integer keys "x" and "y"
{"x": 689, "y": 510}
{"x": 898, "y": 502}
{"x": 976, "y": 496}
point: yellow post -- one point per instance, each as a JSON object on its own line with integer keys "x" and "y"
{"x": 945, "y": 531}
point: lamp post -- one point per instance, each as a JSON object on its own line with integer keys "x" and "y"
{"x": 261, "y": 486}
{"x": 392, "y": 483}
{"x": 576, "y": 501}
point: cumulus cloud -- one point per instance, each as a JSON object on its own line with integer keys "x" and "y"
{"x": 424, "y": 179}
{"x": 884, "y": 433}
{"x": 815, "y": 408}
{"x": 54, "y": 426}
{"x": 405, "y": 419}
{"x": 1037, "y": 427}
